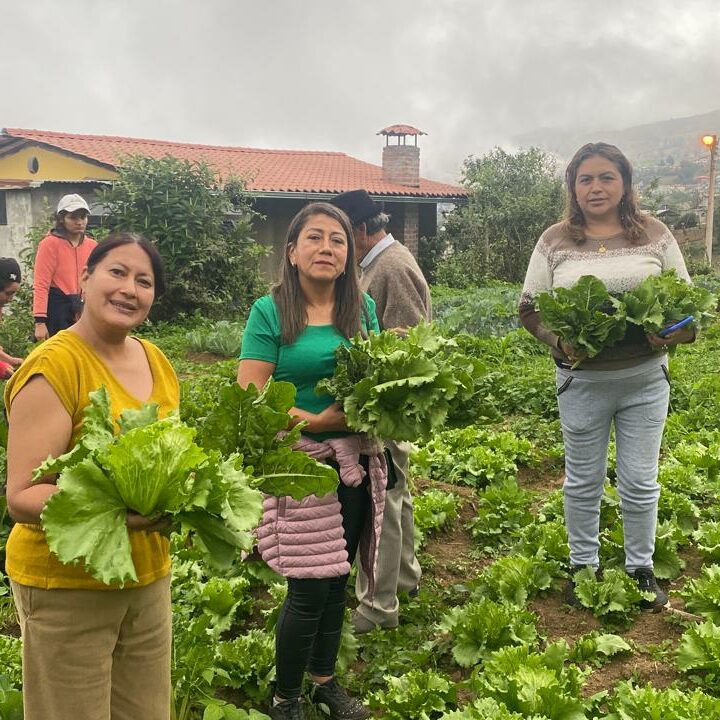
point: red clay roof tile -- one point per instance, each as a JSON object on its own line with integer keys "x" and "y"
{"x": 292, "y": 171}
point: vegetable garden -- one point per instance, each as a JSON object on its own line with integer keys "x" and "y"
{"x": 488, "y": 636}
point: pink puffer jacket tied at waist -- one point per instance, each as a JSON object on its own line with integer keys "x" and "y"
{"x": 304, "y": 538}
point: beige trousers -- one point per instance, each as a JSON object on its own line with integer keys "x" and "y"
{"x": 397, "y": 567}
{"x": 96, "y": 654}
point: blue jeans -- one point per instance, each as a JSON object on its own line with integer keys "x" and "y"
{"x": 637, "y": 405}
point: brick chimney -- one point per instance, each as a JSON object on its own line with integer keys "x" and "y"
{"x": 400, "y": 161}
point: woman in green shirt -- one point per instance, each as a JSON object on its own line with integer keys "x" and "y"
{"x": 292, "y": 335}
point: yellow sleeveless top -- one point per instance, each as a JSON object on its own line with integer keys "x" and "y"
{"x": 74, "y": 370}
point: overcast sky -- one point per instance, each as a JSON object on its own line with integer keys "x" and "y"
{"x": 328, "y": 74}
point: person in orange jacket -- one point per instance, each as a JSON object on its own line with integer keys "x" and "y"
{"x": 60, "y": 259}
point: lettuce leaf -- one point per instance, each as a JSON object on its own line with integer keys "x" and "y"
{"x": 662, "y": 300}
{"x": 246, "y": 422}
{"x": 585, "y": 316}
{"x": 154, "y": 469}
{"x": 151, "y": 466}
{"x": 97, "y": 433}
{"x": 404, "y": 388}
{"x": 85, "y": 521}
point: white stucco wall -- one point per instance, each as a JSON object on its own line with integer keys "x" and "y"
{"x": 19, "y": 221}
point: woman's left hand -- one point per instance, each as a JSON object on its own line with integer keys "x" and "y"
{"x": 683, "y": 335}
{"x": 135, "y": 521}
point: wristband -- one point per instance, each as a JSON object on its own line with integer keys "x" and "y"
{"x": 40, "y": 320}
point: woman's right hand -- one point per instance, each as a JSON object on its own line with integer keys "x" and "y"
{"x": 135, "y": 521}
{"x": 331, "y": 419}
{"x": 573, "y": 355}
{"x": 41, "y": 332}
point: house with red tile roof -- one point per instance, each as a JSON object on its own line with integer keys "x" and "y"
{"x": 37, "y": 167}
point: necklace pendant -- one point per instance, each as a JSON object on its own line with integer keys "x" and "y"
{"x": 602, "y": 248}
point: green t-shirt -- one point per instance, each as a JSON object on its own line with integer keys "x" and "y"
{"x": 309, "y": 359}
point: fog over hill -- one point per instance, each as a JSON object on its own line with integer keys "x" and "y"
{"x": 645, "y": 145}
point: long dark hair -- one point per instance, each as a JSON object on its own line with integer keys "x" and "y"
{"x": 119, "y": 239}
{"x": 632, "y": 220}
{"x": 289, "y": 297}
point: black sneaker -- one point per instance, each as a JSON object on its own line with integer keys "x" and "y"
{"x": 569, "y": 595}
{"x": 334, "y": 700}
{"x": 647, "y": 583}
{"x": 287, "y": 710}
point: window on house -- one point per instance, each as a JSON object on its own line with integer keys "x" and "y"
{"x": 3, "y": 208}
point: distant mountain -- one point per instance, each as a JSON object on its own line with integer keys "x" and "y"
{"x": 659, "y": 147}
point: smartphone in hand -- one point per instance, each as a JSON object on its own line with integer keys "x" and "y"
{"x": 680, "y": 324}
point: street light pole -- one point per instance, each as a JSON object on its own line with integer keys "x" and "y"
{"x": 710, "y": 142}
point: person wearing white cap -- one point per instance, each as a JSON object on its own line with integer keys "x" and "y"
{"x": 60, "y": 259}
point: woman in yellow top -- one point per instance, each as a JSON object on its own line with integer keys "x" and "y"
{"x": 90, "y": 651}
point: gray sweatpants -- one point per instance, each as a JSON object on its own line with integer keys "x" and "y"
{"x": 589, "y": 401}
{"x": 397, "y": 567}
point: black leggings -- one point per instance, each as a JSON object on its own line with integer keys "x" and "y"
{"x": 308, "y": 630}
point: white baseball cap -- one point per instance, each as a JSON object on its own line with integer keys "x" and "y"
{"x": 71, "y": 203}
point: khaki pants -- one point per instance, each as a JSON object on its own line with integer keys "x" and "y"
{"x": 397, "y": 567}
{"x": 96, "y": 654}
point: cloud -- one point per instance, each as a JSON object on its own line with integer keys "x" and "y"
{"x": 327, "y": 75}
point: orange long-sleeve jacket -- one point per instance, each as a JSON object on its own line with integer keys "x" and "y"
{"x": 58, "y": 264}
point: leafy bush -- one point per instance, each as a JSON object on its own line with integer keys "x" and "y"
{"x": 11, "y": 700}
{"x": 430, "y": 252}
{"x": 483, "y": 709}
{"x": 707, "y": 539}
{"x": 648, "y": 703}
{"x": 548, "y": 539}
{"x": 516, "y": 579}
{"x": 221, "y": 338}
{"x": 470, "y": 456}
{"x": 484, "y": 311}
{"x": 702, "y": 594}
{"x": 512, "y": 199}
{"x": 667, "y": 563}
{"x": 11, "y": 659}
{"x": 419, "y": 694}
{"x": 202, "y": 232}
{"x": 480, "y": 627}
{"x": 597, "y": 648}
{"x": 678, "y": 509}
{"x": 503, "y": 509}
{"x": 433, "y": 510}
{"x": 249, "y": 663}
{"x": 703, "y": 455}
{"x": 18, "y": 327}
{"x": 533, "y": 683}
{"x": 699, "y": 650}
{"x": 613, "y": 598}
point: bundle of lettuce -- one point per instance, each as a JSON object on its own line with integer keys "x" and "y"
{"x": 663, "y": 300}
{"x": 587, "y": 317}
{"x": 257, "y": 426}
{"x": 404, "y": 388}
{"x": 156, "y": 468}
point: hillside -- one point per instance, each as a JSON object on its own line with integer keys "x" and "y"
{"x": 668, "y": 149}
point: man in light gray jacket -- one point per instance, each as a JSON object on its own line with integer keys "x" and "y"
{"x": 391, "y": 276}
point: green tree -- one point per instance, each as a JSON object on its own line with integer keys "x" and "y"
{"x": 201, "y": 228}
{"x": 512, "y": 199}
